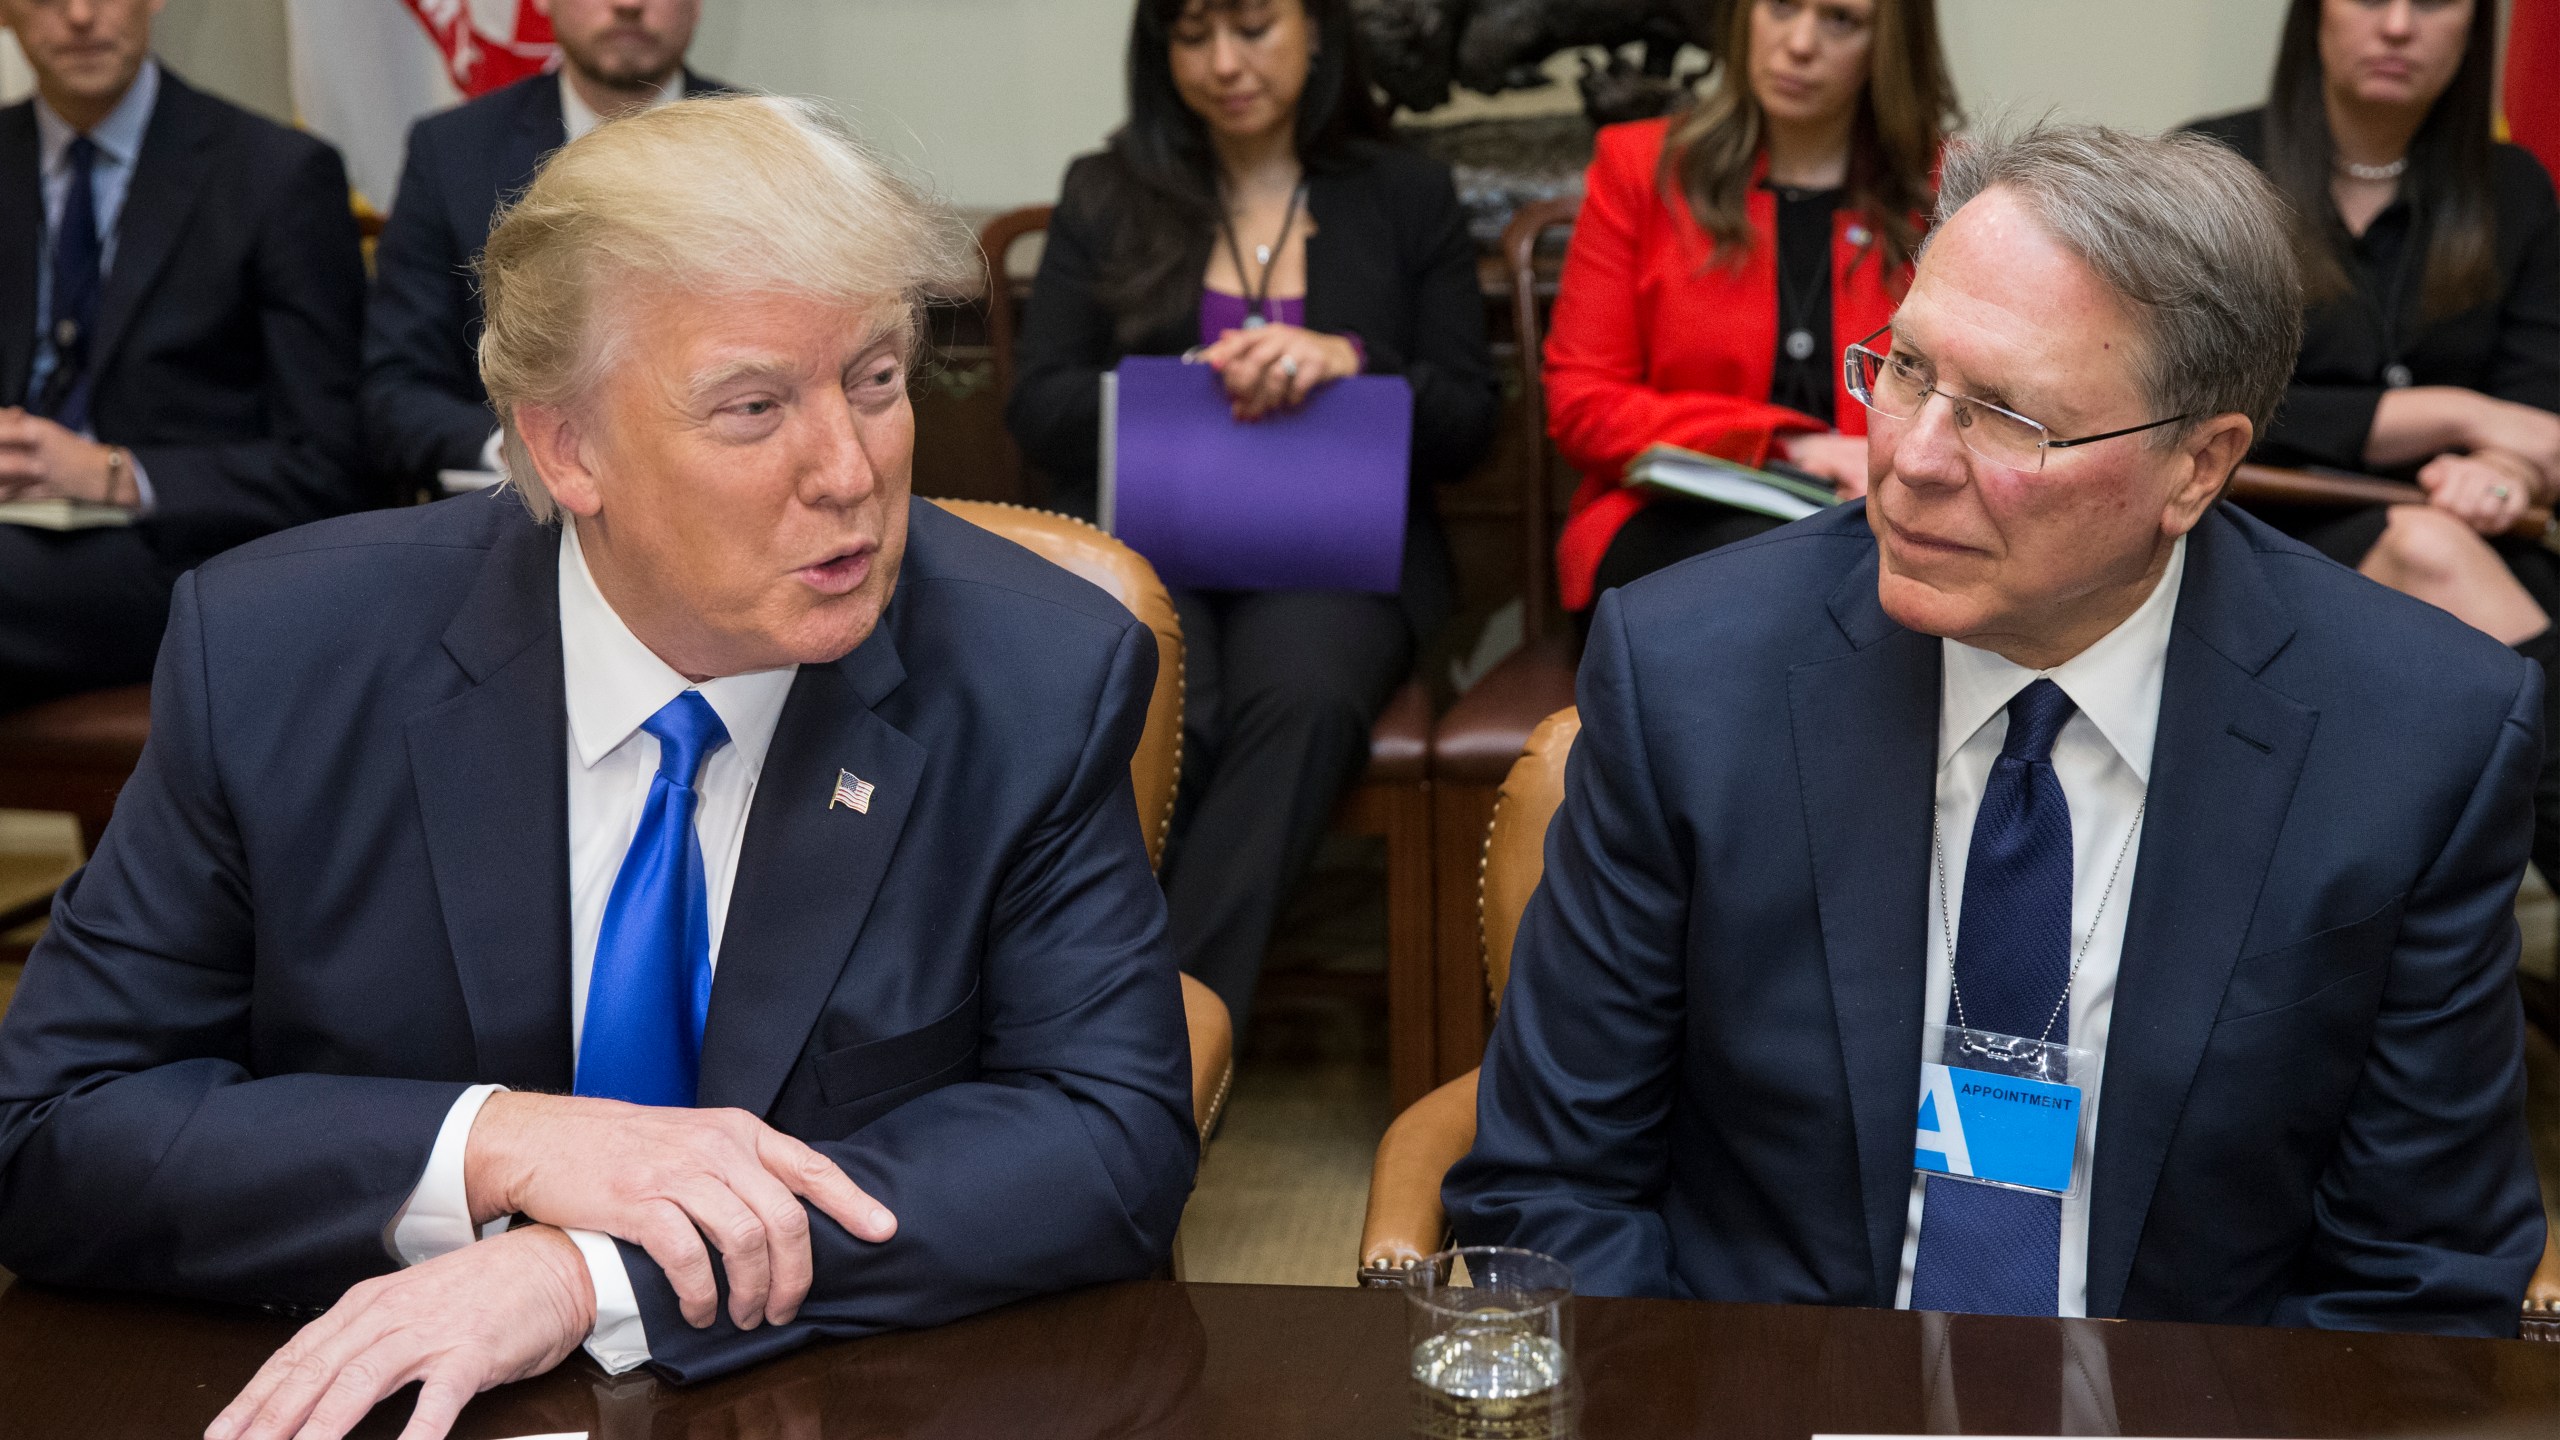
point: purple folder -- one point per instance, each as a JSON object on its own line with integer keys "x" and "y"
{"x": 1312, "y": 499}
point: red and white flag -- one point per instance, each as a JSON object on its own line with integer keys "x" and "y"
{"x": 364, "y": 70}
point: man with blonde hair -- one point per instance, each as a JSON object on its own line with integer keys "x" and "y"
{"x": 737, "y": 886}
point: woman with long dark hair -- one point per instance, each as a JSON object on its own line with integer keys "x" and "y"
{"x": 2431, "y": 339}
{"x": 1723, "y": 259}
{"x": 1256, "y": 207}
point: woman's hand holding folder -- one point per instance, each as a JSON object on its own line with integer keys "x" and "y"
{"x": 1276, "y": 367}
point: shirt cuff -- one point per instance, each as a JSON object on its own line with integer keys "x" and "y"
{"x": 144, "y": 502}
{"x": 436, "y": 1219}
{"x": 619, "y": 1342}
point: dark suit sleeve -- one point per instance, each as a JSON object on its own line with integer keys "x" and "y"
{"x": 422, "y": 407}
{"x": 2429, "y": 1217}
{"x": 139, "y": 1147}
{"x": 1571, "y": 1107}
{"x": 1067, "y": 1161}
{"x": 1456, "y": 398}
{"x": 308, "y": 278}
{"x": 1065, "y": 344}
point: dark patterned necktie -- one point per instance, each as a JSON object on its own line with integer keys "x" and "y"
{"x": 1983, "y": 1250}
{"x": 76, "y": 266}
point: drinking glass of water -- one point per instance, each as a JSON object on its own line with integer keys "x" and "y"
{"x": 1492, "y": 1335}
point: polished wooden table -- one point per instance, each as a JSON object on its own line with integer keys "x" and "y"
{"x": 1240, "y": 1362}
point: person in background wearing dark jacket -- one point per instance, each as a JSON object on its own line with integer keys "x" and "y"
{"x": 2431, "y": 340}
{"x": 181, "y": 292}
{"x": 1255, "y": 205}
{"x": 1725, "y": 258}
{"x": 424, "y": 410}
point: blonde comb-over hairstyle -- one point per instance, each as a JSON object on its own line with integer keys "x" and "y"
{"x": 726, "y": 195}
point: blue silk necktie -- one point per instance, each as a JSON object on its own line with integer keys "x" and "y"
{"x": 651, "y": 985}
{"x": 77, "y": 262}
{"x": 1987, "y": 1251}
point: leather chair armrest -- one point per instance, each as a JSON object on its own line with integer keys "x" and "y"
{"x": 1213, "y": 1053}
{"x": 1405, "y": 1221}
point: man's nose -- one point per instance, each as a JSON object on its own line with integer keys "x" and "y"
{"x": 840, "y": 472}
{"x": 2400, "y": 19}
{"x": 1929, "y": 450}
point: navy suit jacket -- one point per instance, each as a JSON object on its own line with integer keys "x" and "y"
{"x": 229, "y": 326}
{"x": 336, "y": 893}
{"x": 1704, "y": 1081}
{"x": 424, "y": 408}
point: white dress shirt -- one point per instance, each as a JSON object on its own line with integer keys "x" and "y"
{"x": 614, "y": 684}
{"x": 2103, "y": 759}
{"x": 577, "y": 117}
{"x": 119, "y": 140}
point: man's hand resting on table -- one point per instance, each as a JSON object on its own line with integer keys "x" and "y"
{"x": 503, "y": 1309}
{"x": 663, "y": 1179}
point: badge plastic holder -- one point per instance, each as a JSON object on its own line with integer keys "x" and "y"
{"x": 2005, "y": 1111}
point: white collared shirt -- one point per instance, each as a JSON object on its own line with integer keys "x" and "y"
{"x": 614, "y": 683}
{"x": 2103, "y": 759}
{"x": 577, "y": 117}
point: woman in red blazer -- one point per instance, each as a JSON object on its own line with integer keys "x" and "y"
{"x": 1722, "y": 261}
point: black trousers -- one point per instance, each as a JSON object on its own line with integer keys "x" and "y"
{"x": 1280, "y": 689}
{"x": 81, "y": 610}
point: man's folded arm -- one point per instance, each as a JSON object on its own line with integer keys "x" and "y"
{"x": 1570, "y": 1108}
{"x": 2429, "y": 1217}
{"x": 138, "y": 1150}
{"x": 1067, "y": 1161}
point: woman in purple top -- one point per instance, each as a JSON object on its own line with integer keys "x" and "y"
{"x": 1255, "y": 208}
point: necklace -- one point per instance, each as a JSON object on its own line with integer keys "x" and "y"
{"x": 1258, "y": 303}
{"x": 1796, "y": 301}
{"x": 2377, "y": 173}
{"x": 1955, "y": 992}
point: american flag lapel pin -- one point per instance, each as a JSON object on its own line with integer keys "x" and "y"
{"x": 853, "y": 790}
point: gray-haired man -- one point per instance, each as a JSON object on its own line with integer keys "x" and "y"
{"x": 2166, "y": 865}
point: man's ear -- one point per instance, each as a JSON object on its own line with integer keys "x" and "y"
{"x": 555, "y": 440}
{"x": 2212, "y": 451}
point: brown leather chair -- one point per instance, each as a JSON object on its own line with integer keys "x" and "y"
{"x": 1483, "y": 730}
{"x": 1393, "y": 799}
{"x": 73, "y": 755}
{"x": 1405, "y": 1221}
{"x": 1156, "y": 768}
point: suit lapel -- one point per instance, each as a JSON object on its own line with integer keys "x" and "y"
{"x": 21, "y": 248}
{"x": 2223, "y": 769}
{"x": 808, "y": 870}
{"x": 1866, "y": 728}
{"x": 167, "y": 177}
{"x": 491, "y": 772}
{"x": 539, "y": 130}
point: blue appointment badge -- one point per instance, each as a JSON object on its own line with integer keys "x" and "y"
{"x": 2006, "y": 1114}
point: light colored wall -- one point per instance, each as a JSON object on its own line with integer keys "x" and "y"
{"x": 2147, "y": 64}
{"x": 992, "y": 97}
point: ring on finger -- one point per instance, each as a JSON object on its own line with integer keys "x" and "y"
{"x": 1289, "y": 366}
{"x": 2500, "y": 491}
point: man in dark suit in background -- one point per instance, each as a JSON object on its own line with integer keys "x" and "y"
{"x": 181, "y": 296}
{"x": 2236, "y": 825}
{"x": 424, "y": 409}
{"x": 724, "y": 834}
